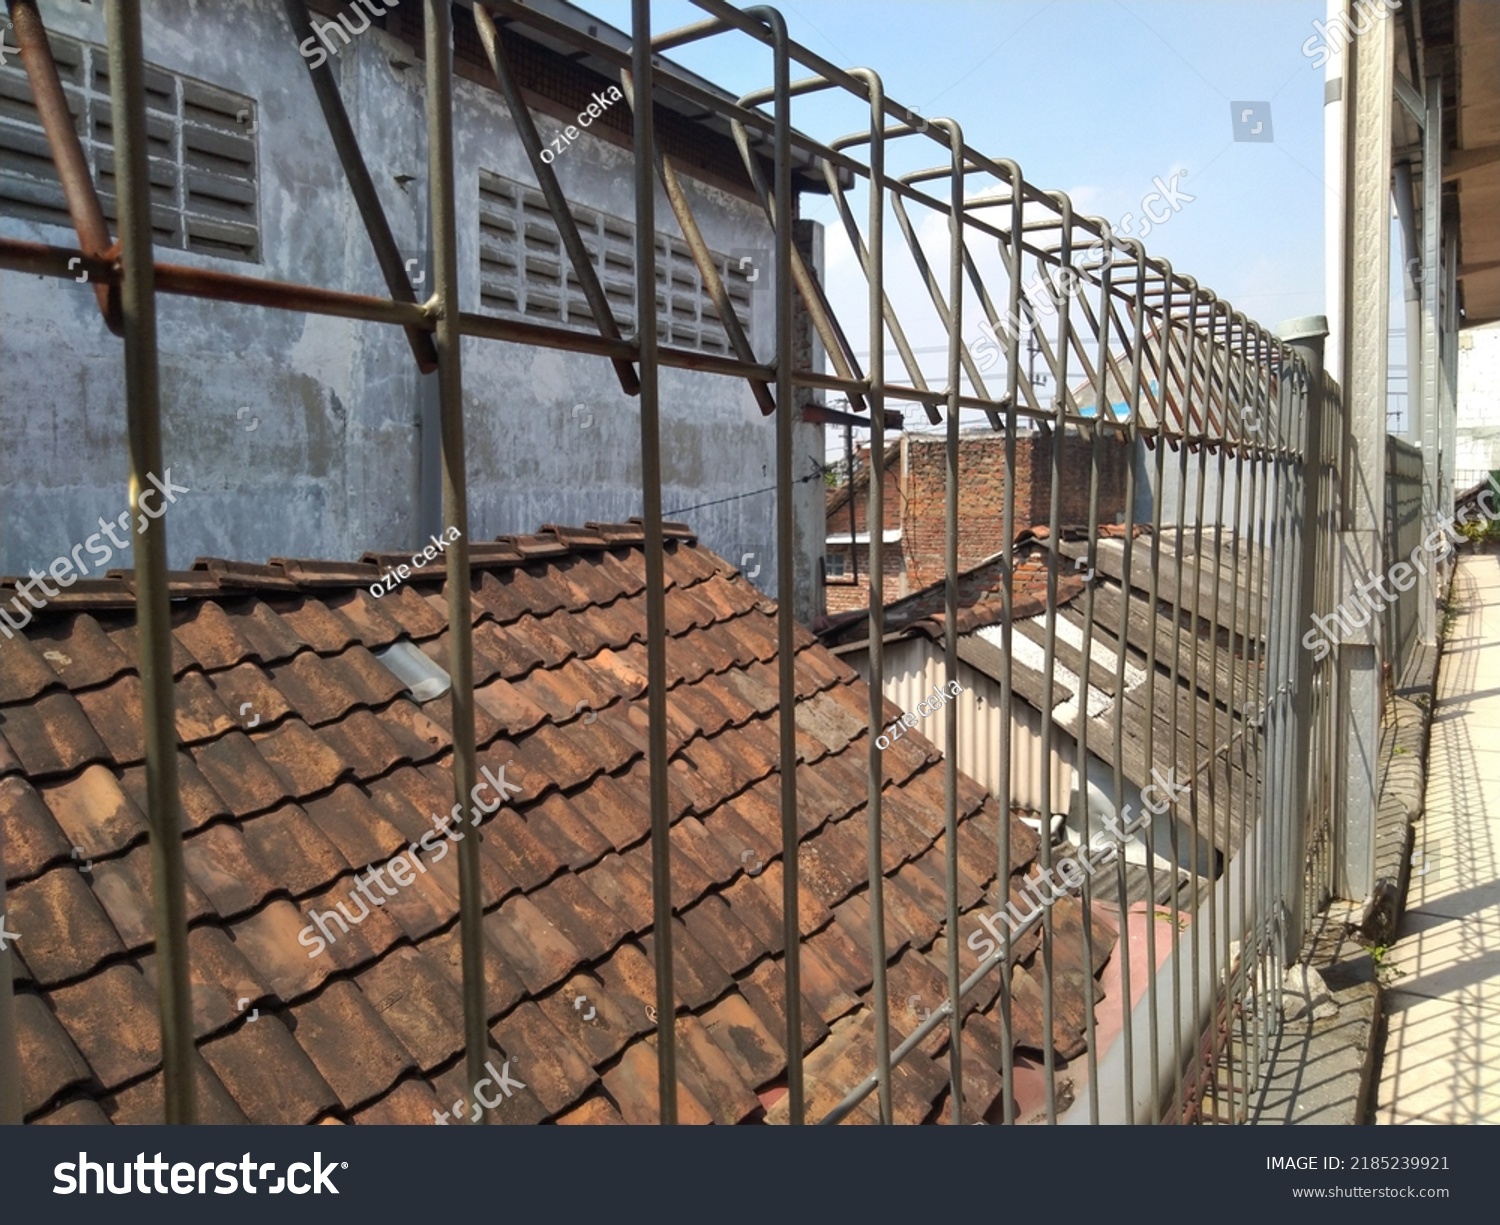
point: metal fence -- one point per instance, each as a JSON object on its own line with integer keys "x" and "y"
{"x": 1403, "y": 538}
{"x": 1139, "y": 354}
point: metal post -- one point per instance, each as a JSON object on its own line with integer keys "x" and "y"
{"x": 444, "y": 228}
{"x": 1369, "y": 94}
{"x": 1430, "y": 285}
{"x": 1306, "y": 338}
{"x": 956, "y": 352}
{"x": 786, "y": 625}
{"x": 10, "y": 1053}
{"x": 153, "y": 612}
{"x": 643, "y": 71}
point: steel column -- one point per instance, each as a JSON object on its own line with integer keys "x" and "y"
{"x": 153, "y": 611}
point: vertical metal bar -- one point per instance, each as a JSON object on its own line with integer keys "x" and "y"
{"x": 875, "y": 522}
{"x": 10, "y": 1051}
{"x": 1049, "y": 654}
{"x": 1153, "y": 604}
{"x": 1428, "y": 398}
{"x": 1014, "y": 256}
{"x": 644, "y": 132}
{"x": 1103, "y": 419}
{"x": 557, "y": 203}
{"x": 1305, "y": 337}
{"x": 1127, "y": 586}
{"x": 956, "y": 352}
{"x": 786, "y": 571}
{"x": 67, "y": 152}
{"x": 346, "y": 144}
{"x": 444, "y": 226}
{"x": 153, "y": 612}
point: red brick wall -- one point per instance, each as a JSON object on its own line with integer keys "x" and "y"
{"x": 917, "y": 506}
{"x": 846, "y": 596}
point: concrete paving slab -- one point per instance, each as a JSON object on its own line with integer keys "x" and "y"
{"x": 1441, "y": 1060}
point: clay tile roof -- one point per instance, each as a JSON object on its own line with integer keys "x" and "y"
{"x": 322, "y": 901}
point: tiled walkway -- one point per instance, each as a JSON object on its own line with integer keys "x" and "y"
{"x": 1442, "y": 1052}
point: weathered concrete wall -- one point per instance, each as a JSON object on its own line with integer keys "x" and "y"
{"x": 333, "y": 465}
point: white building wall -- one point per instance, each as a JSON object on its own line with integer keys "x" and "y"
{"x": 1478, "y": 436}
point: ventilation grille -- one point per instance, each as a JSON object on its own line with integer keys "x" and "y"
{"x": 201, "y": 153}
{"x": 524, "y": 270}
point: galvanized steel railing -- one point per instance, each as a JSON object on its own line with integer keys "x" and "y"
{"x": 1139, "y": 355}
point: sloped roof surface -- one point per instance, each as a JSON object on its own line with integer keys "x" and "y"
{"x": 303, "y": 762}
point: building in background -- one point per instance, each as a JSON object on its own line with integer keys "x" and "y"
{"x": 915, "y": 483}
{"x": 303, "y": 435}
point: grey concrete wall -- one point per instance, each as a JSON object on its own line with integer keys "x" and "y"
{"x": 333, "y": 466}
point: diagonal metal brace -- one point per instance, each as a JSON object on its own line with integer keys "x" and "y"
{"x": 387, "y": 254}
{"x": 557, "y": 203}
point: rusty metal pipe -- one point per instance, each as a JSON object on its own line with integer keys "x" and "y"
{"x": 67, "y": 151}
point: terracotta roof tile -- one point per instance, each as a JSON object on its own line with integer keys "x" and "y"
{"x": 268, "y": 940}
{"x": 348, "y": 1043}
{"x": 29, "y": 835}
{"x": 417, "y": 1003}
{"x": 712, "y": 1076}
{"x": 222, "y": 864}
{"x": 618, "y": 882}
{"x": 633, "y": 1084}
{"x": 83, "y": 655}
{"x": 719, "y": 930}
{"x": 302, "y": 760}
{"x": 502, "y": 985}
{"x": 49, "y": 1063}
{"x": 301, "y": 856}
{"x": 757, "y": 1053}
{"x": 411, "y": 1103}
{"x": 111, "y": 1018}
{"x": 121, "y": 630}
{"x": 596, "y": 1024}
{"x": 51, "y": 735}
{"x": 79, "y": 1111}
{"x": 575, "y": 910}
{"x": 295, "y": 809}
{"x": 122, "y": 885}
{"x": 528, "y": 940}
{"x": 593, "y": 1110}
{"x": 78, "y": 933}
{"x": 314, "y": 623}
{"x": 297, "y": 1093}
{"x": 145, "y": 1102}
{"x": 218, "y": 978}
{"x": 543, "y": 1058}
{"x": 239, "y": 774}
{"x": 764, "y": 990}
{"x": 200, "y": 802}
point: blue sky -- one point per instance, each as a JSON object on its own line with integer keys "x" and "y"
{"x": 1093, "y": 97}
